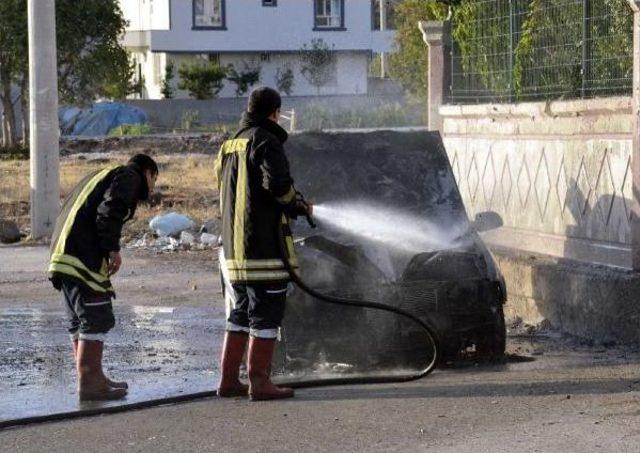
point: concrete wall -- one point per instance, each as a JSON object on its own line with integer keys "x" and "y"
{"x": 168, "y": 113}
{"x": 596, "y": 303}
{"x": 559, "y": 174}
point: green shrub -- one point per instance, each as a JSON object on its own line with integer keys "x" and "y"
{"x": 244, "y": 78}
{"x": 130, "y": 129}
{"x": 202, "y": 80}
{"x": 318, "y": 117}
{"x": 17, "y": 152}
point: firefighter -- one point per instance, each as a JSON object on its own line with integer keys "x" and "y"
{"x": 85, "y": 253}
{"x": 256, "y": 197}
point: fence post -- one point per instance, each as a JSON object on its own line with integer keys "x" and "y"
{"x": 436, "y": 35}
{"x": 512, "y": 30}
{"x": 586, "y": 47}
{"x": 635, "y": 152}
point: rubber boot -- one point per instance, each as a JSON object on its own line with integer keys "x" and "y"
{"x": 92, "y": 384}
{"x": 261, "y": 388}
{"x": 230, "y": 361}
{"x": 114, "y": 384}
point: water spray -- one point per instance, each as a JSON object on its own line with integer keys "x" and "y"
{"x": 389, "y": 226}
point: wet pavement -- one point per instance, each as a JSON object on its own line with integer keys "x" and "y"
{"x": 172, "y": 351}
{"x": 160, "y": 351}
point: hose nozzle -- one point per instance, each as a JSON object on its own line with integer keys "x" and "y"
{"x": 306, "y": 209}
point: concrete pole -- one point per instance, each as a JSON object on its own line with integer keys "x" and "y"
{"x": 43, "y": 118}
{"x": 437, "y": 37}
{"x": 635, "y": 152}
{"x": 383, "y": 27}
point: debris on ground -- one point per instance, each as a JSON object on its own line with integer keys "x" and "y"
{"x": 211, "y": 226}
{"x": 189, "y": 240}
{"x": 171, "y": 224}
{"x": 9, "y": 232}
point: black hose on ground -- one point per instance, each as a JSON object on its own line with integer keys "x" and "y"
{"x": 430, "y": 331}
{"x": 300, "y": 384}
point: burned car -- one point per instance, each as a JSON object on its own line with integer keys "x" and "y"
{"x": 392, "y": 229}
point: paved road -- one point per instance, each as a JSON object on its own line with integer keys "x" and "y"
{"x": 570, "y": 398}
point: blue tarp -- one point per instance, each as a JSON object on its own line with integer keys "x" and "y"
{"x": 98, "y": 119}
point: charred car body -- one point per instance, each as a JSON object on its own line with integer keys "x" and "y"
{"x": 455, "y": 286}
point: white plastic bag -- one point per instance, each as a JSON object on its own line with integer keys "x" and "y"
{"x": 171, "y": 224}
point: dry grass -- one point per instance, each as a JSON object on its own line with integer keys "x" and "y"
{"x": 186, "y": 184}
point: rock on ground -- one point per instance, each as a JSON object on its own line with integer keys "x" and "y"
{"x": 9, "y": 232}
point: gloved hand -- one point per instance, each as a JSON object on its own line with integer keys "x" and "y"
{"x": 301, "y": 207}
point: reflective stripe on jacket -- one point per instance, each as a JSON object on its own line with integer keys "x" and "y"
{"x": 256, "y": 190}
{"x": 90, "y": 225}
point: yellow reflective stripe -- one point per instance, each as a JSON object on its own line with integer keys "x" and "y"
{"x": 75, "y": 262}
{"x": 288, "y": 197}
{"x": 77, "y": 204}
{"x": 291, "y": 249}
{"x": 235, "y": 145}
{"x": 241, "y": 207}
{"x": 256, "y": 264}
{"x": 70, "y": 270}
{"x": 248, "y": 275}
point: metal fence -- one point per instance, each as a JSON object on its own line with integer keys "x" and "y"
{"x": 526, "y": 50}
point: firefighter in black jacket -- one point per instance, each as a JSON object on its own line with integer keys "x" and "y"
{"x": 85, "y": 252}
{"x": 256, "y": 196}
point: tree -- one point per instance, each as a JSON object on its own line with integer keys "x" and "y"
{"x": 87, "y": 38}
{"x": 13, "y": 62}
{"x": 169, "y": 75}
{"x": 285, "y": 80}
{"x": 318, "y": 63}
{"x": 248, "y": 76}
{"x": 202, "y": 80}
{"x": 408, "y": 64}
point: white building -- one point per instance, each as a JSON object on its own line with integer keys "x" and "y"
{"x": 265, "y": 33}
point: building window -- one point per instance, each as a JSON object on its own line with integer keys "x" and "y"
{"x": 389, "y": 14}
{"x": 269, "y": 2}
{"x": 208, "y": 14}
{"x": 329, "y": 14}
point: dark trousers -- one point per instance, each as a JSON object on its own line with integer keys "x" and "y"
{"x": 257, "y": 308}
{"x": 90, "y": 315}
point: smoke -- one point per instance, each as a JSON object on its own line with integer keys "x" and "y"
{"x": 395, "y": 229}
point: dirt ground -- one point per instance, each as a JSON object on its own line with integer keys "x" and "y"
{"x": 564, "y": 397}
{"x": 186, "y": 184}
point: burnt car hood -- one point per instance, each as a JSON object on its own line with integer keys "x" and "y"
{"x": 408, "y": 172}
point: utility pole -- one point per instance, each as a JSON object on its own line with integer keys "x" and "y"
{"x": 635, "y": 151}
{"x": 43, "y": 118}
{"x": 383, "y": 27}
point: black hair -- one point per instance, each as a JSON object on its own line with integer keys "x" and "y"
{"x": 263, "y": 101}
{"x": 145, "y": 162}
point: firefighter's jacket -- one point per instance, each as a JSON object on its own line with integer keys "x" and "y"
{"x": 90, "y": 224}
{"x": 256, "y": 194}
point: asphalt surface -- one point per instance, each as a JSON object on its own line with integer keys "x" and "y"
{"x": 554, "y": 395}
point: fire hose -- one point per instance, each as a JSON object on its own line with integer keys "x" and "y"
{"x": 330, "y": 299}
{"x": 429, "y": 331}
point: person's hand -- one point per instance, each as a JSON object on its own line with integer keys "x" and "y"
{"x": 115, "y": 261}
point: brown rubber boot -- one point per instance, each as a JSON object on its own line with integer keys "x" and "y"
{"x": 92, "y": 384}
{"x": 232, "y": 354}
{"x": 114, "y": 384}
{"x": 261, "y": 388}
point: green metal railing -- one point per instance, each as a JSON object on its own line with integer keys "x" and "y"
{"x": 525, "y": 50}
